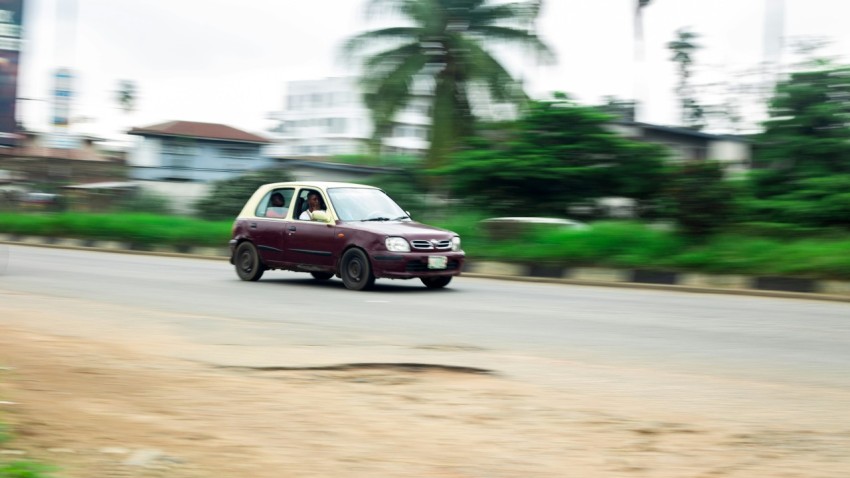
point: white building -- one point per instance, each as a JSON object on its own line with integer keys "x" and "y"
{"x": 324, "y": 118}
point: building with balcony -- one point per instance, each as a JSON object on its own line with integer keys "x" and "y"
{"x": 325, "y": 118}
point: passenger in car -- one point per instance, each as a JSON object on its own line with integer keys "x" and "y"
{"x": 276, "y": 206}
{"x": 314, "y": 203}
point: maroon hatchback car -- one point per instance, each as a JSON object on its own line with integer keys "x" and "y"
{"x": 352, "y": 231}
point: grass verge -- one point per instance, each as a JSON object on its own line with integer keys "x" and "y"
{"x": 606, "y": 244}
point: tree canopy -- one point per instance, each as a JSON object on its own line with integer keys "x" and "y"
{"x": 803, "y": 156}
{"x": 809, "y": 126}
{"x": 557, "y": 153}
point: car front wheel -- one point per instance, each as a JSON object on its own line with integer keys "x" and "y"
{"x": 355, "y": 270}
{"x": 436, "y": 282}
{"x": 247, "y": 262}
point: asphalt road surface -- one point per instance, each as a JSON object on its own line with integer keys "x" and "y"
{"x": 111, "y": 348}
{"x": 503, "y": 326}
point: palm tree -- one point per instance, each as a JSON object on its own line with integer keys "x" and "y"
{"x": 683, "y": 48}
{"x": 125, "y": 96}
{"x": 443, "y": 44}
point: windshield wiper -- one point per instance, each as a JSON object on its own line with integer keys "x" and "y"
{"x": 376, "y": 219}
{"x": 401, "y": 217}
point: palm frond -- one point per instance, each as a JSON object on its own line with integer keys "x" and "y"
{"x": 485, "y": 69}
{"x": 366, "y": 39}
{"x": 387, "y": 91}
{"x": 394, "y": 56}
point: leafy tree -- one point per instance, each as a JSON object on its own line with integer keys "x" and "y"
{"x": 557, "y": 153}
{"x": 803, "y": 156}
{"x": 806, "y": 135}
{"x": 683, "y": 48}
{"x": 700, "y": 199}
{"x": 443, "y": 44}
{"x": 226, "y": 198}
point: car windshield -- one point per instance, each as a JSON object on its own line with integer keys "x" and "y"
{"x": 362, "y": 204}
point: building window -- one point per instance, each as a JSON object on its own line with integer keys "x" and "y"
{"x": 180, "y": 148}
{"x": 235, "y": 153}
{"x": 337, "y": 125}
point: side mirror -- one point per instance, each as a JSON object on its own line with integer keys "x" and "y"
{"x": 322, "y": 216}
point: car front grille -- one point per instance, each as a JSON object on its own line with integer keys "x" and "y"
{"x": 425, "y": 245}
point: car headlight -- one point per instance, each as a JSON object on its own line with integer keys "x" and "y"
{"x": 397, "y": 244}
{"x": 456, "y": 244}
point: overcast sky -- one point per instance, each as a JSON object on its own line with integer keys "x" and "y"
{"x": 227, "y": 62}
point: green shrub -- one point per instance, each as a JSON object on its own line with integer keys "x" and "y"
{"x": 144, "y": 202}
{"x": 701, "y": 201}
{"x": 140, "y": 229}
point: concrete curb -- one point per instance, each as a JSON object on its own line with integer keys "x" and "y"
{"x": 761, "y": 286}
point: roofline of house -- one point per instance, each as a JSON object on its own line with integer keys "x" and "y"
{"x": 143, "y": 132}
{"x": 684, "y": 131}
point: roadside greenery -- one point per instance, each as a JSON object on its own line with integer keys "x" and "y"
{"x": 139, "y": 230}
{"x": 558, "y": 153}
{"x": 19, "y": 469}
{"x": 24, "y": 469}
{"x": 822, "y": 254}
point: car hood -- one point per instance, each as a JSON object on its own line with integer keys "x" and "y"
{"x": 408, "y": 229}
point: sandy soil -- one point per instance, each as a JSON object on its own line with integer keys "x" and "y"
{"x": 97, "y": 409}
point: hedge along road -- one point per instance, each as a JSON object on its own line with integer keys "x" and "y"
{"x": 772, "y": 367}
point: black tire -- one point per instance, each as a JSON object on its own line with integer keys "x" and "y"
{"x": 436, "y": 282}
{"x": 247, "y": 262}
{"x": 355, "y": 270}
{"x": 322, "y": 275}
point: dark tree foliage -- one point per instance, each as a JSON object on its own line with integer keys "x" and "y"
{"x": 806, "y": 135}
{"x": 803, "y": 156}
{"x": 227, "y": 197}
{"x": 817, "y": 202}
{"x": 700, "y": 199}
{"x": 558, "y": 153}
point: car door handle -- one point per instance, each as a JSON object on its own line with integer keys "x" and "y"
{"x": 253, "y": 225}
{"x": 291, "y": 228}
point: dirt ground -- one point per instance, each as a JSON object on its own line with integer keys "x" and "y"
{"x": 96, "y": 409}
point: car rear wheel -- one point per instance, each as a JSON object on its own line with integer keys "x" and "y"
{"x": 436, "y": 282}
{"x": 247, "y": 262}
{"x": 322, "y": 275}
{"x": 355, "y": 270}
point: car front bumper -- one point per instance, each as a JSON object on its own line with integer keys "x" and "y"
{"x": 409, "y": 265}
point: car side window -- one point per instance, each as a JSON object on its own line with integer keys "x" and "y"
{"x": 276, "y": 203}
{"x": 304, "y": 207}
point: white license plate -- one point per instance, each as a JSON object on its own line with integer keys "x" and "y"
{"x": 437, "y": 262}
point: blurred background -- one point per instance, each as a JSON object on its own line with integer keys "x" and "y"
{"x": 699, "y": 126}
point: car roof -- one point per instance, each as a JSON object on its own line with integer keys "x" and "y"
{"x": 317, "y": 184}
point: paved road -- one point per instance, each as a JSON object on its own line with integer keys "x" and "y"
{"x": 498, "y": 325}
